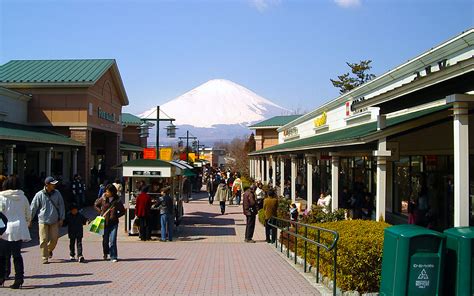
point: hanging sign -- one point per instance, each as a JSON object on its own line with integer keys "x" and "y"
{"x": 149, "y": 153}
{"x": 166, "y": 153}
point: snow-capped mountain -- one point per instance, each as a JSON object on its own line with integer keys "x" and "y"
{"x": 217, "y": 110}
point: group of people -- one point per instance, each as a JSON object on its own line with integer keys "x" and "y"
{"x": 222, "y": 187}
{"x": 16, "y": 214}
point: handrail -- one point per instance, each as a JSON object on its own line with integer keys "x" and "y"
{"x": 328, "y": 248}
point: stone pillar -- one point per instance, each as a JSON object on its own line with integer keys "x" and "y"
{"x": 382, "y": 153}
{"x": 309, "y": 179}
{"x": 335, "y": 182}
{"x": 293, "y": 178}
{"x": 10, "y": 159}
{"x": 267, "y": 170}
{"x": 250, "y": 167}
{"x": 49, "y": 154}
{"x": 282, "y": 174}
{"x": 273, "y": 172}
{"x": 461, "y": 164}
{"x": 74, "y": 161}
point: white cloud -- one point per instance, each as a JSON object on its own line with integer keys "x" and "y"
{"x": 263, "y": 5}
{"x": 348, "y": 3}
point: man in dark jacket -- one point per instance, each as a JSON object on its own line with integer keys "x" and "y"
{"x": 250, "y": 212}
{"x": 166, "y": 213}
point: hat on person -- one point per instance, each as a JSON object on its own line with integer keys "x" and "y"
{"x": 50, "y": 180}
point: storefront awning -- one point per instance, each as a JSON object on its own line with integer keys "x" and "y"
{"x": 356, "y": 135}
{"x": 23, "y": 133}
{"x": 130, "y": 147}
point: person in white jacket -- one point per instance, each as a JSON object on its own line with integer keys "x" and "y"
{"x": 14, "y": 205}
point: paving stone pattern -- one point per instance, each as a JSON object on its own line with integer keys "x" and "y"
{"x": 209, "y": 257}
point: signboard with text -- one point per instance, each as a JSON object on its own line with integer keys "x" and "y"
{"x": 149, "y": 153}
{"x": 166, "y": 153}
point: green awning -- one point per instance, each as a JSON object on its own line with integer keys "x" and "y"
{"x": 23, "y": 133}
{"x": 145, "y": 163}
{"x": 130, "y": 147}
{"x": 351, "y": 135}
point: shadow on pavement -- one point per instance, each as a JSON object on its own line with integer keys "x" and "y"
{"x": 68, "y": 284}
{"x": 47, "y": 276}
{"x": 131, "y": 259}
{"x": 206, "y": 231}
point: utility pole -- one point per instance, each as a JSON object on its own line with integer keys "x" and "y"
{"x": 187, "y": 143}
{"x": 170, "y": 129}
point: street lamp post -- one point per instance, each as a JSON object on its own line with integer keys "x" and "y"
{"x": 187, "y": 143}
{"x": 171, "y": 129}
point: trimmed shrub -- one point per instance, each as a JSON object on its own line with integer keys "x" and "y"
{"x": 261, "y": 217}
{"x": 317, "y": 215}
{"x": 283, "y": 210}
{"x": 245, "y": 183}
{"x": 359, "y": 253}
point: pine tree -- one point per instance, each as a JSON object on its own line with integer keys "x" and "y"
{"x": 346, "y": 82}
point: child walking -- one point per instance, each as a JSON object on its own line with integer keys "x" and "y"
{"x": 75, "y": 221}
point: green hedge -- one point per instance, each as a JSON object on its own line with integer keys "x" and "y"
{"x": 261, "y": 217}
{"x": 359, "y": 253}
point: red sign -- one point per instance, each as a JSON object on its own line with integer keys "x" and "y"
{"x": 149, "y": 153}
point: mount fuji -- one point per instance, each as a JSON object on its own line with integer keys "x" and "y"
{"x": 218, "y": 110}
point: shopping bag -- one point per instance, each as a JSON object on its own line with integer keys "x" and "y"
{"x": 98, "y": 225}
{"x": 135, "y": 226}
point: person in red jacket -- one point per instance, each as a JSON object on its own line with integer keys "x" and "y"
{"x": 143, "y": 212}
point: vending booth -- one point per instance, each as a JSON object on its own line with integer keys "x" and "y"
{"x": 156, "y": 174}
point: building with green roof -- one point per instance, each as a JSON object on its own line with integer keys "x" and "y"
{"x": 68, "y": 118}
{"x": 266, "y": 134}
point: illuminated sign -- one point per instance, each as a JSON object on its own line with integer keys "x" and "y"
{"x": 106, "y": 115}
{"x": 321, "y": 120}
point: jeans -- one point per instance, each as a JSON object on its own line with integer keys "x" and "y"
{"x": 270, "y": 232}
{"x": 73, "y": 241}
{"x": 222, "y": 204}
{"x": 250, "y": 227}
{"x": 237, "y": 197}
{"x": 14, "y": 249}
{"x": 166, "y": 226}
{"x": 109, "y": 241}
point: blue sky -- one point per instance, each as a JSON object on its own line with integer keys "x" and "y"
{"x": 283, "y": 50}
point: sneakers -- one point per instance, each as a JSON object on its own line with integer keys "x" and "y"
{"x": 114, "y": 260}
{"x": 81, "y": 259}
{"x": 72, "y": 258}
{"x": 106, "y": 257}
{"x": 45, "y": 261}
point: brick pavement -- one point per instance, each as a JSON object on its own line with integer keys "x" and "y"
{"x": 208, "y": 258}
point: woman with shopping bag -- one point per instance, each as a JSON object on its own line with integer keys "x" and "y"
{"x": 111, "y": 208}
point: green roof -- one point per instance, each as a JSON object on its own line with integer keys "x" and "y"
{"x": 54, "y": 71}
{"x": 23, "y": 133}
{"x": 354, "y": 134}
{"x": 130, "y": 147}
{"x": 146, "y": 163}
{"x": 276, "y": 121}
{"x": 130, "y": 119}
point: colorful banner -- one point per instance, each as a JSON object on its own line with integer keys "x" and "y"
{"x": 149, "y": 153}
{"x": 166, "y": 153}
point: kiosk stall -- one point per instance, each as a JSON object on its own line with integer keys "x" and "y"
{"x": 158, "y": 174}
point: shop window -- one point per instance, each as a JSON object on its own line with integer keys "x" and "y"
{"x": 401, "y": 186}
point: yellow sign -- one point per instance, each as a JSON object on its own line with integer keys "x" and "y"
{"x": 166, "y": 153}
{"x": 320, "y": 121}
{"x": 192, "y": 157}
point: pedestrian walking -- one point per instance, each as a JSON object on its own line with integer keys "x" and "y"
{"x": 237, "y": 188}
{"x": 250, "y": 212}
{"x": 16, "y": 209}
{"x": 166, "y": 215}
{"x": 211, "y": 187}
{"x": 222, "y": 193}
{"x": 48, "y": 203}
{"x": 111, "y": 208}
{"x": 270, "y": 207}
{"x": 143, "y": 213}
{"x": 78, "y": 191}
{"x": 74, "y": 221}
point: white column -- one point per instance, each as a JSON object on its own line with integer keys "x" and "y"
{"x": 49, "y": 153}
{"x": 10, "y": 159}
{"x": 335, "y": 182}
{"x": 461, "y": 164}
{"x": 282, "y": 174}
{"x": 273, "y": 172}
{"x": 293, "y": 178}
{"x": 74, "y": 161}
{"x": 309, "y": 180}
{"x": 267, "y": 170}
{"x": 382, "y": 153}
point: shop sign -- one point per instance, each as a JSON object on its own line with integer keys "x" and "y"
{"x": 106, "y": 115}
{"x": 191, "y": 156}
{"x": 321, "y": 120}
{"x": 147, "y": 173}
{"x": 291, "y": 132}
{"x": 166, "y": 153}
{"x": 353, "y": 106}
{"x": 149, "y": 153}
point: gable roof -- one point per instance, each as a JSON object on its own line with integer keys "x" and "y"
{"x": 274, "y": 122}
{"x": 59, "y": 73}
{"x": 130, "y": 119}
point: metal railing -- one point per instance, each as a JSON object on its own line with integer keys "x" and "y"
{"x": 285, "y": 225}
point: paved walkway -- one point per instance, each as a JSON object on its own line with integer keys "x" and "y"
{"x": 208, "y": 258}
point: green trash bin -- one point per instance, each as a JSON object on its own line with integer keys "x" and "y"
{"x": 459, "y": 271}
{"x": 412, "y": 261}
